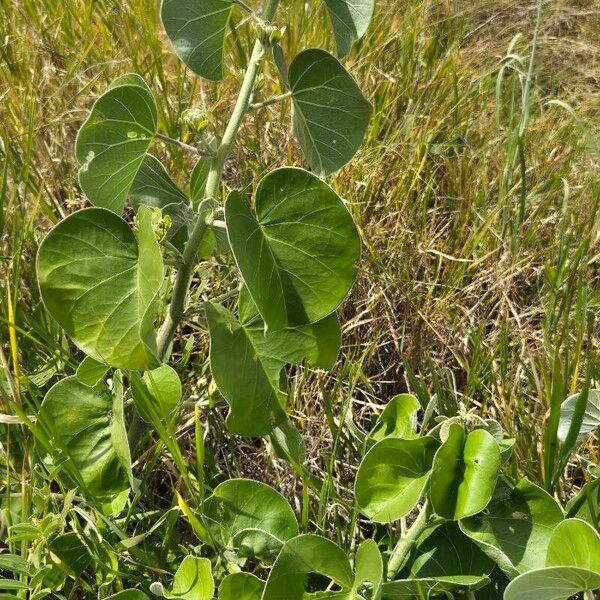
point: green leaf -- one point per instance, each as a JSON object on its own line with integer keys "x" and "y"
{"x": 198, "y": 179}
{"x": 250, "y": 517}
{"x": 398, "y": 419}
{"x": 193, "y": 580}
{"x": 590, "y": 417}
{"x": 287, "y": 443}
{"x": 128, "y": 595}
{"x": 241, "y": 586}
{"x": 350, "y": 19}
{"x": 71, "y": 551}
{"x": 318, "y": 342}
{"x": 515, "y": 529}
{"x": 465, "y": 470}
{"x": 368, "y": 568}
{"x": 574, "y": 543}
{"x": 248, "y": 381}
{"x": 86, "y": 424}
{"x": 445, "y": 553}
{"x": 162, "y": 387}
{"x": 300, "y": 557}
{"x": 586, "y": 504}
{"x": 91, "y": 371}
{"x": 113, "y": 141}
{"x": 552, "y": 583}
{"x": 392, "y": 477}
{"x": 100, "y": 284}
{"x": 152, "y": 186}
{"x": 331, "y": 115}
{"x": 197, "y": 29}
{"x": 298, "y": 255}
{"x": 409, "y": 589}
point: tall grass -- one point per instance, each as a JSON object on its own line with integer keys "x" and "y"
{"x": 476, "y": 194}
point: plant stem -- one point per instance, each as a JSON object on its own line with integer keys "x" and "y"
{"x": 405, "y": 544}
{"x": 271, "y": 101}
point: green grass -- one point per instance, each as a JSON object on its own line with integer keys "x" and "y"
{"x": 476, "y": 193}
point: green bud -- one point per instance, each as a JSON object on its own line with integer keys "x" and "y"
{"x": 196, "y": 119}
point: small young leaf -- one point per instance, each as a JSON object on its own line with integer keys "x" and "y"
{"x": 302, "y": 556}
{"x": 331, "y": 115}
{"x": 90, "y": 371}
{"x": 198, "y": 179}
{"x": 162, "y": 387}
{"x": 193, "y": 581}
{"x": 464, "y": 474}
{"x": 86, "y": 424}
{"x": 250, "y": 517}
{"x": 515, "y": 529}
{"x": 368, "y": 568}
{"x": 100, "y": 283}
{"x": 298, "y": 256}
{"x": 590, "y": 418}
{"x": 350, "y": 19}
{"x": 397, "y": 419}
{"x": 197, "y": 29}
{"x": 241, "y": 586}
{"x": 392, "y": 477}
{"x": 113, "y": 141}
{"x": 152, "y": 186}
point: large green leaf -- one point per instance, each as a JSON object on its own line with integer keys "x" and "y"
{"x": 302, "y": 556}
{"x": 446, "y": 553}
{"x": 392, "y": 477}
{"x": 298, "y": 254}
{"x": 515, "y": 528}
{"x": 350, "y": 19}
{"x": 552, "y": 583}
{"x": 86, "y": 425}
{"x": 572, "y": 565}
{"x": 331, "y": 115}
{"x": 152, "y": 186}
{"x": 113, "y": 141}
{"x": 574, "y": 543}
{"x": 398, "y": 419}
{"x": 241, "y": 586}
{"x": 465, "y": 470}
{"x": 248, "y": 381}
{"x": 100, "y": 283}
{"x": 250, "y": 517}
{"x": 197, "y": 29}
{"x": 586, "y": 419}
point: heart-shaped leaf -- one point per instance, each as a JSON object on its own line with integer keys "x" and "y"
{"x": 86, "y": 425}
{"x": 241, "y": 586}
{"x": 574, "y": 543}
{"x": 250, "y": 517}
{"x": 331, "y": 115}
{"x": 302, "y": 556}
{"x": 152, "y": 186}
{"x": 298, "y": 255}
{"x": 91, "y": 371}
{"x": 350, "y": 19}
{"x": 197, "y": 29}
{"x": 192, "y": 581}
{"x": 515, "y": 529}
{"x": 392, "y": 477}
{"x": 248, "y": 380}
{"x": 113, "y": 141}
{"x": 398, "y": 419}
{"x": 585, "y": 418}
{"x": 464, "y": 474}
{"x": 100, "y": 284}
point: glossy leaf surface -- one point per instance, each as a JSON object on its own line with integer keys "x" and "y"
{"x": 298, "y": 253}
{"x": 99, "y": 282}
{"x": 331, "y": 115}
{"x": 250, "y": 517}
{"x": 350, "y": 19}
{"x": 113, "y": 141}
{"x": 515, "y": 528}
{"x": 197, "y": 30}
{"x": 86, "y": 424}
{"x": 574, "y": 543}
{"x": 552, "y": 583}
{"x": 397, "y": 419}
{"x": 464, "y": 474}
{"x": 392, "y": 477}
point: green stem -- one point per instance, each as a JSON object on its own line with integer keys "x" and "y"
{"x": 405, "y": 544}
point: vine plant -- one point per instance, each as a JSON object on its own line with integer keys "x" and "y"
{"x": 296, "y": 250}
